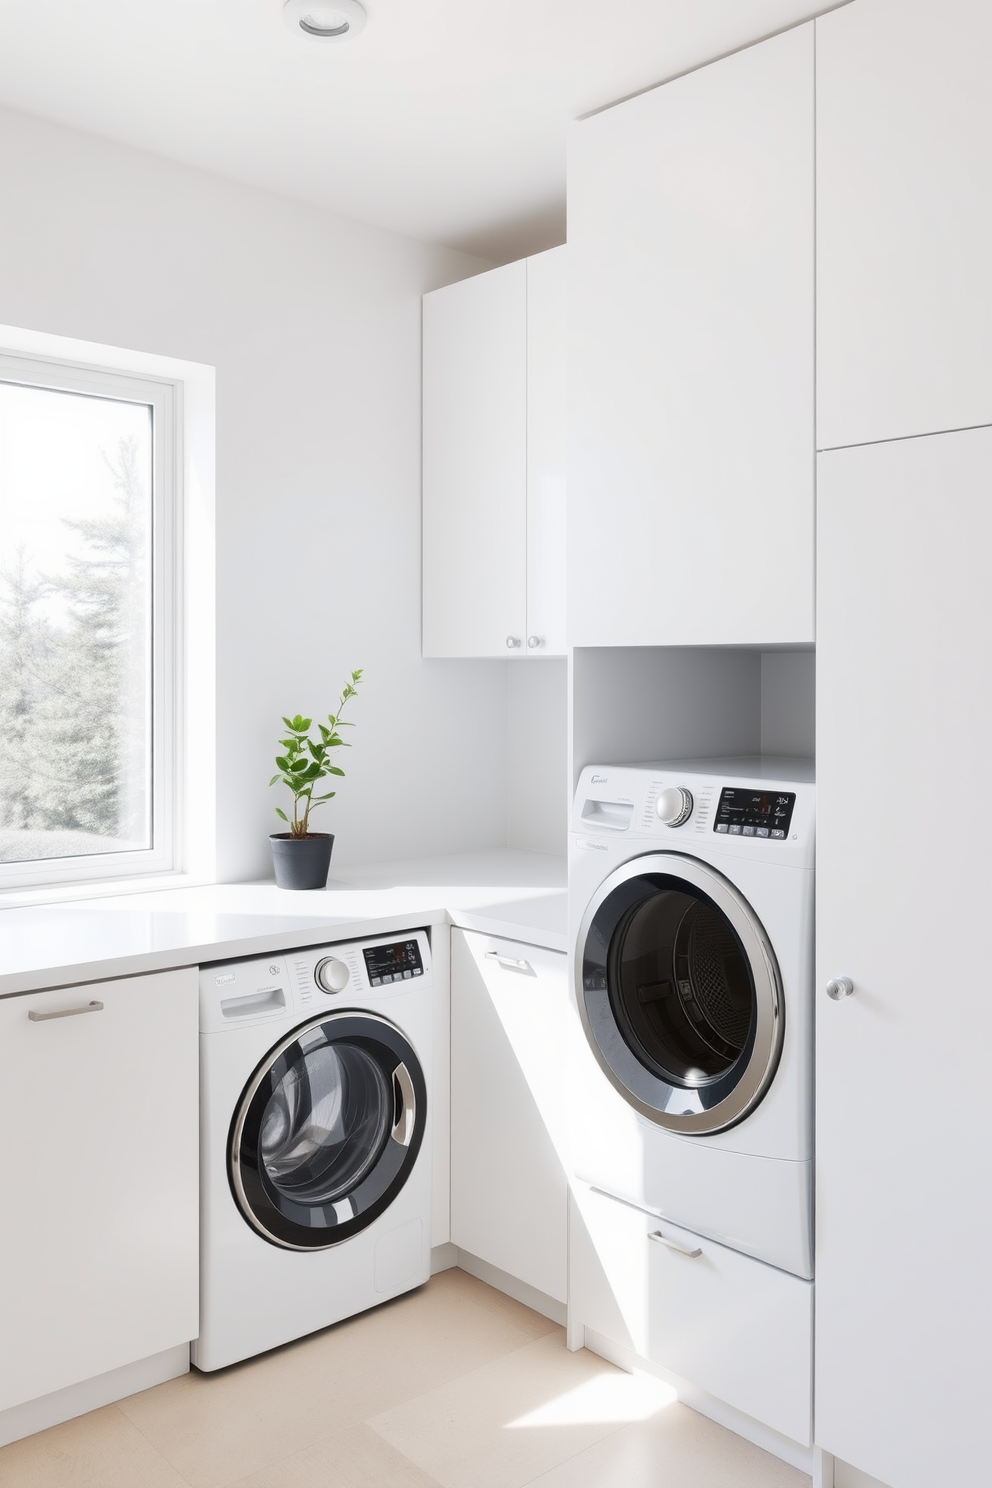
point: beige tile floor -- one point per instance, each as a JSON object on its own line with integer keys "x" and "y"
{"x": 452, "y": 1386}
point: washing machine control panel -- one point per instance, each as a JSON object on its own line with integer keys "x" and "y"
{"x": 400, "y": 961}
{"x": 744, "y": 811}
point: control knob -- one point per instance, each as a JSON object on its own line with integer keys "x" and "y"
{"x": 674, "y": 805}
{"x": 331, "y": 975}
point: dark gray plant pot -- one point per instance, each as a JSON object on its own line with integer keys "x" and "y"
{"x": 301, "y": 862}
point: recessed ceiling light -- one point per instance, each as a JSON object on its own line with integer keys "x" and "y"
{"x": 324, "y": 20}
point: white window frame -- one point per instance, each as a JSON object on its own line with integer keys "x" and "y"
{"x": 168, "y": 851}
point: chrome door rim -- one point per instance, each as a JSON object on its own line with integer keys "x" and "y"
{"x": 766, "y": 1045}
{"x": 412, "y": 1122}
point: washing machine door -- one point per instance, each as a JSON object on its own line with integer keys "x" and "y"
{"x": 327, "y": 1130}
{"x": 679, "y": 993}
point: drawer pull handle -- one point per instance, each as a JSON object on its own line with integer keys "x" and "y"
{"x": 509, "y": 963}
{"x": 90, "y": 1007}
{"x": 673, "y": 1245}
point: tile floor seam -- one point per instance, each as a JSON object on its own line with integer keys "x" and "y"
{"x": 528, "y": 1482}
{"x": 464, "y": 1374}
{"x": 274, "y": 1467}
{"x": 620, "y": 1426}
{"x": 119, "y": 1406}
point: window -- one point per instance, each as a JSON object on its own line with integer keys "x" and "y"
{"x": 89, "y": 536}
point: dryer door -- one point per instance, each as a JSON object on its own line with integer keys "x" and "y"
{"x": 679, "y": 993}
{"x": 327, "y": 1130}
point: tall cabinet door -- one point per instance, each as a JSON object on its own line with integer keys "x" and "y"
{"x": 99, "y": 1105}
{"x": 904, "y": 225}
{"x": 475, "y": 464}
{"x": 904, "y": 884}
{"x": 690, "y": 372}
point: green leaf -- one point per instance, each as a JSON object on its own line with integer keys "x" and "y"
{"x": 288, "y": 722}
{"x": 282, "y": 762}
{"x": 298, "y": 766}
{"x": 333, "y": 770}
{"x": 274, "y": 779}
{"x": 282, "y": 815}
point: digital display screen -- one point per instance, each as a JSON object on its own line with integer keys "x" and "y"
{"x": 746, "y": 812}
{"x": 399, "y": 962}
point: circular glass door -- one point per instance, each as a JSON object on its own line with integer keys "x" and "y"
{"x": 679, "y": 993}
{"x": 327, "y": 1130}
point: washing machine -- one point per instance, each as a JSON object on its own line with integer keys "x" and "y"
{"x": 315, "y": 1141}
{"x": 691, "y": 926}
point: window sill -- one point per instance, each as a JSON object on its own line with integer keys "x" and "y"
{"x": 25, "y": 898}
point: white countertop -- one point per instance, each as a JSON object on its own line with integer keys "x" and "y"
{"x": 502, "y": 892}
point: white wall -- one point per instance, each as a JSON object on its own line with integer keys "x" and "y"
{"x": 537, "y": 777}
{"x": 313, "y": 325}
{"x": 631, "y": 704}
{"x": 788, "y": 703}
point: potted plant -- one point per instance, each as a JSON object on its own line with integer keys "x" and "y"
{"x": 300, "y": 857}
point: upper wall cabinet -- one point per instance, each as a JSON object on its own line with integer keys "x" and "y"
{"x": 690, "y": 371}
{"x": 494, "y": 462}
{"x": 904, "y": 225}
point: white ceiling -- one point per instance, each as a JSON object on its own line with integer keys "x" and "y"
{"x": 444, "y": 119}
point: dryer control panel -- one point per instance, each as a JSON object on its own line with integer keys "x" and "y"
{"x": 743, "y": 811}
{"x": 756, "y": 807}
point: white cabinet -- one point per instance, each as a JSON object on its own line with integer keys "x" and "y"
{"x": 904, "y": 219}
{"x": 690, "y": 363}
{"x": 508, "y": 1186}
{"x": 721, "y": 1321}
{"x": 904, "y": 1201}
{"x": 494, "y": 462}
{"x": 99, "y": 1237}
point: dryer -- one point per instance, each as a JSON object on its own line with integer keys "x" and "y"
{"x": 315, "y": 1165}
{"x": 691, "y": 925}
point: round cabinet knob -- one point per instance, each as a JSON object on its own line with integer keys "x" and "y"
{"x": 674, "y": 805}
{"x": 533, "y": 642}
{"x": 839, "y": 987}
{"x": 512, "y": 642}
{"x": 331, "y": 975}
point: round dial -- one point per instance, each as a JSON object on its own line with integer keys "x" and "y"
{"x": 674, "y": 805}
{"x": 331, "y": 975}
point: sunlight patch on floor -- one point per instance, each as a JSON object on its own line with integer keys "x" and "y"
{"x": 609, "y": 1397}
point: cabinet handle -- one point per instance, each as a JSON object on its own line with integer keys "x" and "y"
{"x": 840, "y": 987}
{"x": 509, "y": 963}
{"x": 512, "y": 642}
{"x": 91, "y": 1007}
{"x": 534, "y": 641}
{"x": 673, "y": 1245}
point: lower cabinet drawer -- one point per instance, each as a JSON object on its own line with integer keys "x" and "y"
{"x": 738, "y": 1329}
